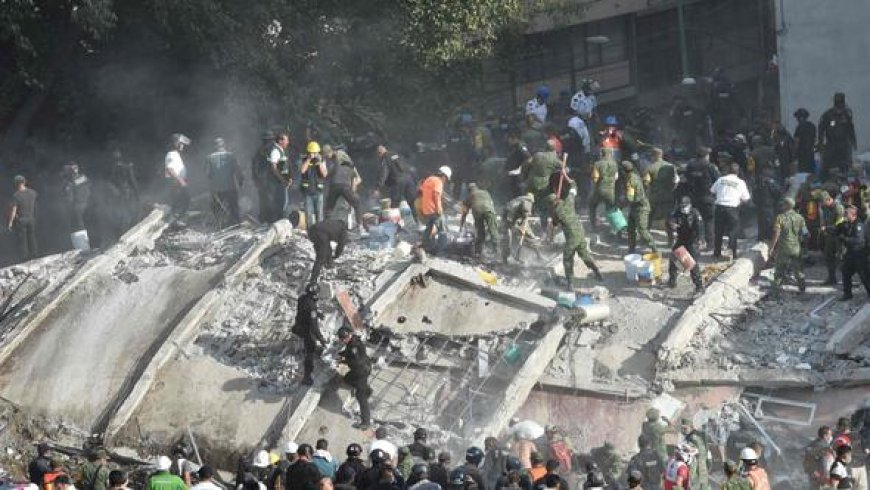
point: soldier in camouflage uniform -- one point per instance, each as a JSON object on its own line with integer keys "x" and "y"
{"x": 479, "y": 202}
{"x": 604, "y": 175}
{"x": 788, "y": 230}
{"x": 575, "y": 239}
{"x": 638, "y": 209}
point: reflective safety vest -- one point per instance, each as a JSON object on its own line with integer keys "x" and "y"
{"x": 312, "y": 180}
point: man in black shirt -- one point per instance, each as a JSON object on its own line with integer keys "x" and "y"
{"x": 40, "y": 465}
{"x": 321, "y": 234}
{"x": 805, "y": 141}
{"x": 303, "y": 475}
{"x": 22, "y": 218}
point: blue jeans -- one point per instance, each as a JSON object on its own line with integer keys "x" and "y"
{"x": 313, "y": 208}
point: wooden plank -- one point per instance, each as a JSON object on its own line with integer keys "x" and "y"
{"x": 351, "y": 312}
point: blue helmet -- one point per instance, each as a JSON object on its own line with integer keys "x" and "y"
{"x": 543, "y": 92}
{"x": 610, "y": 121}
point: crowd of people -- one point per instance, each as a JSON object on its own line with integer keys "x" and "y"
{"x": 835, "y": 459}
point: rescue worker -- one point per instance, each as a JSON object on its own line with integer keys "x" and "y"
{"x": 359, "y": 368}
{"x": 784, "y": 149}
{"x": 533, "y": 136}
{"x": 677, "y": 474}
{"x": 648, "y": 463}
{"x": 494, "y": 461}
{"x": 700, "y": 474}
{"x": 518, "y": 156}
{"x": 479, "y": 203}
{"x": 175, "y": 174}
{"x": 584, "y": 102}
{"x": 473, "y": 459}
{"x": 538, "y": 105}
{"x": 635, "y": 480}
{"x": 307, "y": 326}
{"x": 684, "y": 121}
{"x": 733, "y": 479}
{"x": 95, "y": 473}
{"x": 840, "y": 475}
{"x": 344, "y": 179}
{"x": 612, "y": 137}
{"x": 515, "y": 222}
{"x": 40, "y": 465}
{"x": 837, "y": 138}
{"x": 439, "y": 471}
{"x": 514, "y": 476}
{"x": 655, "y": 427}
{"x": 162, "y": 479}
{"x": 578, "y": 145}
{"x": 77, "y": 196}
{"x": 730, "y": 192}
{"x": 419, "y": 479}
{"x": 395, "y": 180}
{"x": 354, "y": 461}
{"x": 767, "y": 196}
{"x": 854, "y": 239}
{"x": 419, "y": 448}
{"x": 831, "y": 215}
{"x": 661, "y": 177}
{"x": 700, "y": 175}
{"x": 224, "y": 180}
{"x": 321, "y": 234}
{"x": 818, "y": 458}
{"x": 303, "y": 474}
{"x": 605, "y": 173}
{"x": 273, "y": 180}
{"x": 805, "y": 141}
{"x": 123, "y": 178}
{"x": 785, "y": 245}
{"x": 22, "y": 218}
{"x": 431, "y": 207}
{"x": 537, "y": 178}
{"x": 313, "y": 174}
{"x": 761, "y": 156}
{"x": 638, "y": 209}
{"x": 688, "y": 224}
{"x": 575, "y": 239}
{"x": 755, "y": 474}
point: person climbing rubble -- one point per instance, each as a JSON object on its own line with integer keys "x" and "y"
{"x": 431, "y": 192}
{"x": 575, "y": 239}
{"x": 688, "y": 226}
{"x": 321, "y": 236}
{"x": 360, "y": 367}
{"x": 307, "y": 327}
{"x": 516, "y": 227}
{"x": 789, "y": 230}
{"x": 175, "y": 174}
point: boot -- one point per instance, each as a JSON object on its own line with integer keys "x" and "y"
{"x": 802, "y": 285}
{"x": 831, "y": 280}
{"x": 596, "y": 272}
{"x": 672, "y": 282}
{"x": 569, "y": 283}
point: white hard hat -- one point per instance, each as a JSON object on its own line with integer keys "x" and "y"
{"x": 446, "y": 171}
{"x": 748, "y": 454}
{"x": 163, "y": 463}
{"x": 291, "y": 448}
{"x": 261, "y": 460}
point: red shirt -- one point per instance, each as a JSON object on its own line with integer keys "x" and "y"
{"x": 676, "y": 470}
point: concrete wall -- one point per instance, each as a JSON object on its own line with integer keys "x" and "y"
{"x": 823, "y": 49}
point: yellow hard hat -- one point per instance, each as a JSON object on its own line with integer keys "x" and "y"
{"x": 313, "y": 147}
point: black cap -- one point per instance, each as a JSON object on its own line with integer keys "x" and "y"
{"x": 205, "y": 472}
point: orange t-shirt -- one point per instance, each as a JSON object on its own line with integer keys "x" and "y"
{"x": 430, "y": 195}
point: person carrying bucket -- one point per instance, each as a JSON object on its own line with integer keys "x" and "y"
{"x": 605, "y": 172}
{"x": 688, "y": 226}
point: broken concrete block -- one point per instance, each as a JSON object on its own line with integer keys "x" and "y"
{"x": 588, "y": 337}
{"x": 402, "y": 250}
{"x": 852, "y": 334}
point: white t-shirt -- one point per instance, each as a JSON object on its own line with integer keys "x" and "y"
{"x": 730, "y": 191}
{"x": 275, "y": 157}
{"x": 176, "y": 164}
{"x": 205, "y": 485}
{"x": 582, "y": 131}
{"x": 538, "y": 109}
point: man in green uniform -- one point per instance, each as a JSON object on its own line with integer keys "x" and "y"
{"x": 638, "y": 209}
{"x": 514, "y": 220}
{"x": 661, "y": 177}
{"x": 95, "y": 473}
{"x": 788, "y": 230}
{"x": 699, "y": 474}
{"x": 831, "y": 214}
{"x": 162, "y": 479}
{"x": 575, "y": 239}
{"x": 604, "y": 175}
{"x": 537, "y": 179}
{"x": 479, "y": 202}
{"x": 655, "y": 428}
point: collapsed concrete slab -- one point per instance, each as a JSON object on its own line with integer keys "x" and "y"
{"x": 852, "y": 334}
{"x": 186, "y": 328}
{"x": 768, "y": 378}
{"x": 725, "y": 289}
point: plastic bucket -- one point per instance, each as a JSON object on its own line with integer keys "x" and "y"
{"x": 584, "y": 300}
{"x": 512, "y": 354}
{"x": 80, "y": 240}
{"x": 630, "y": 270}
{"x": 656, "y": 261}
{"x": 643, "y": 270}
{"x": 567, "y": 299}
{"x": 684, "y": 258}
{"x": 616, "y": 220}
{"x": 595, "y": 312}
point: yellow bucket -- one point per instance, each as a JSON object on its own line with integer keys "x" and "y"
{"x": 656, "y": 261}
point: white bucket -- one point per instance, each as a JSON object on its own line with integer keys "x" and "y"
{"x": 630, "y": 271}
{"x": 640, "y": 267}
{"x": 80, "y": 240}
{"x": 595, "y": 313}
